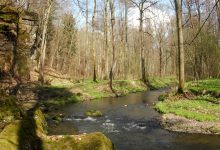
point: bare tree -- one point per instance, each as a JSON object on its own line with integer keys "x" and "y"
{"x": 111, "y": 74}
{"x": 218, "y": 15}
{"x": 106, "y": 35}
{"x": 178, "y": 8}
{"x": 44, "y": 41}
{"x": 142, "y": 6}
{"x": 93, "y": 49}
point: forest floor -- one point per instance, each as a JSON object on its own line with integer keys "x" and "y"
{"x": 196, "y": 111}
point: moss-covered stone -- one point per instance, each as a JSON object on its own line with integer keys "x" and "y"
{"x": 30, "y": 133}
{"x": 10, "y": 17}
{"x": 10, "y": 110}
{"x": 16, "y": 26}
{"x": 93, "y": 113}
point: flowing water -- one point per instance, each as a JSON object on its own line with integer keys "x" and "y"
{"x": 131, "y": 123}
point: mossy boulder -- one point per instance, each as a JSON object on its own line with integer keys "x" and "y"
{"x": 10, "y": 110}
{"x": 30, "y": 133}
{"x": 57, "y": 119}
{"x": 93, "y": 113}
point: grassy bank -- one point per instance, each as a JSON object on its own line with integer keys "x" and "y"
{"x": 199, "y": 106}
{"x": 30, "y": 133}
{"x": 209, "y": 86}
{"x": 62, "y": 92}
{"x": 161, "y": 82}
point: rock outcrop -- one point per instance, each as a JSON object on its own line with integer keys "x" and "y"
{"x": 17, "y": 37}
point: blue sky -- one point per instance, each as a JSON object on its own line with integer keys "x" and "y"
{"x": 81, "y": 16}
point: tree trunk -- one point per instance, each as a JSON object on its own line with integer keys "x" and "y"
{"x": 111, "y": 74}
{"x": 142, "y": 59}
{"x": 87, "y": 39}
{"x": 106, "y": 36}
{"x": 44, "y": 42}
{"x": 178, "y": 7}
{"x": 160, "y": 60}
{"x": 126, "y": 67}
{"x": 218, "y": 16}
{"x": 93, "y": 49}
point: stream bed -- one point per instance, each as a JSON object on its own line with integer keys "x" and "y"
{"x": 131, "y": 123}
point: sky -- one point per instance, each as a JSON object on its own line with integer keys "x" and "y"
{"x": 158, "y": 15}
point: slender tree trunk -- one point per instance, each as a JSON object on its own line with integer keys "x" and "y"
{"x": 68, "y": 53}
{"x": 126, "y": 61}
{"x": 44, "y": 42}
{"x": 111, "y": 74}
{"x": 93, "y": 49}
{"x": 87, "y": 39}
{"x": 87, "y": 16}
{"x": 178, "y": 6}
{"x": 106, "y": 36}
{"x": 56, "y": 48}
{"x": 142, "y": 59}
{"x": 160, "y": 60}
{"x": 218, "y": 16}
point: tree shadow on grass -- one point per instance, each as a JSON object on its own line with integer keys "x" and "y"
{"x": 56, "y": 96}
{"x": 50, "y": 96}
{"x": 27, "y": 133}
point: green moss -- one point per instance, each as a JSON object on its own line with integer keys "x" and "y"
{"x": 9, "y": 9}
{"x": 94, "y": 141}
{"x": 31, "y": 132}
{"x": 9, "y": 17}
{"x": 10, "y": 110}
{"x": 93, "y": 113}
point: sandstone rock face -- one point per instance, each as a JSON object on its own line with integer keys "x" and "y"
{"x": 17, "y": 37}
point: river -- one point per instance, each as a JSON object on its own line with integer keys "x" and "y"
{"x": 131, "y": 123}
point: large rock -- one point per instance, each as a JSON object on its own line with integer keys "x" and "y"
{"x": 30, "y": 134}
{"x": 17, "y": 37}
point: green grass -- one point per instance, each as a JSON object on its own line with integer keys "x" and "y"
{"x": 211, "y": 86}
{"x": 129, "y": 86}
{"x": 203, "y": 107}
{"x": 199, "y": 108}
{"x": 60, "y": 93}
{"x": 161, "y": 82}
{"x": 88, "y": 89}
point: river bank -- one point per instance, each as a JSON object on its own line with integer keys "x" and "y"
{"x": 61, "y": 92}
{"x": 15, "y": 115}
{"x": 196, "y": 111}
